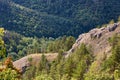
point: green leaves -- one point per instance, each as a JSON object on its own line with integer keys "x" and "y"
{"x": 43, "y": 77}
{"x": 8, "y": 71}
{"x": 9, "y": 74}
{"x": 56, "y": 18}
{"x": 80, "y": 70}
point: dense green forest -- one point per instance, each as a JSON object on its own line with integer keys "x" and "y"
{"x": 51, "y": 26}
{"x": 54, "y": 18}
{"x": 19, "y": 46}
{"x": 79, "y": 66}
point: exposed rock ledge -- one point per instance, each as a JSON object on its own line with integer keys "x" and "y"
{"x": 97, "y": 38}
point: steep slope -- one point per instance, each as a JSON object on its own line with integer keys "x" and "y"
{"x": 29, "y": 22}
{"x": 51, "y": 18}
{"x": 97, "y": 39}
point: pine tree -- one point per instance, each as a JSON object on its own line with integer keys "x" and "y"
{"x": 43, "y": 65}
{"x": 60, "y": 69}
{"x": 80, "y": 52}
{"x": 114, "y": 60}
{"x": 53, "y": 72}
{"x": 69, "y": 42}
{"x": 119, "y": 19}
{"x": 112, "y": 22}
{"x": 116, "y": 55}
{"x": 69, "y": 66}
{"x": 60, "y": 56}
{"x": 30, "y": 73}
{"x": 80, "y": 70}
{"x": 82, "y": 59}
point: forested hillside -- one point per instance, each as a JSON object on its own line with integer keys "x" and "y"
{"x": 18, "y": 46}
{"x": 37, "y": 40}
{"x": 94, "y": 56}
{"x": 85, "y": 62}
{"x": 54, "y": 18}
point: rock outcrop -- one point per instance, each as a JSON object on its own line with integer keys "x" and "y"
{"x": 97, "y": 39}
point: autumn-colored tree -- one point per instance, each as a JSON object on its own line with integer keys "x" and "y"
{"x": 9, "y": 72}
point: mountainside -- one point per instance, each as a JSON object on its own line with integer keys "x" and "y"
{"x": 97, "y": 39}
{"x": 52, "y": 18}
{"x": 37, "y": 40}
{"x": 29, "y": 22}
{"x": 94, "y": 56}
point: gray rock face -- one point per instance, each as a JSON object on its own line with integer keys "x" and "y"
{"x": 97, "y": 38}
{"x": 112, "y": 27}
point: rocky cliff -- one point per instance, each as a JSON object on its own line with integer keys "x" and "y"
{"x": 97, "y": 39}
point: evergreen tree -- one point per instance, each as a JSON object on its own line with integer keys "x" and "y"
{"x": 80, "y": 70}
{"x": 43, "y": 65}
{"x": 60, "y": 56}
{"x": 60, "y": 68}
{"x": 80, "y": 53}
{"x": 116, "y": 55}
{"x": 114, "y": 60}
{"x": 30, "y": 73}
{"x": 82, "y": 60}
{"x": 69, "y": 66}
{"x": 69, "y": 42}
{"x": 112, "y": 22}
{"x": 43, "y": 77}
{"x": 53, "y": 72}
{"x": 119, "y": 19}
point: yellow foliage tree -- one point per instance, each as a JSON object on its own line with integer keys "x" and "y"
{"x": 2, "y": 45}
{"x": 9, "y": 72}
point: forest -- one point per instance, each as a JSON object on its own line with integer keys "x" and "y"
{"x": 80, "y": 65}
{"x": 51, "y": 18}
{"x": 52, "y": 26}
